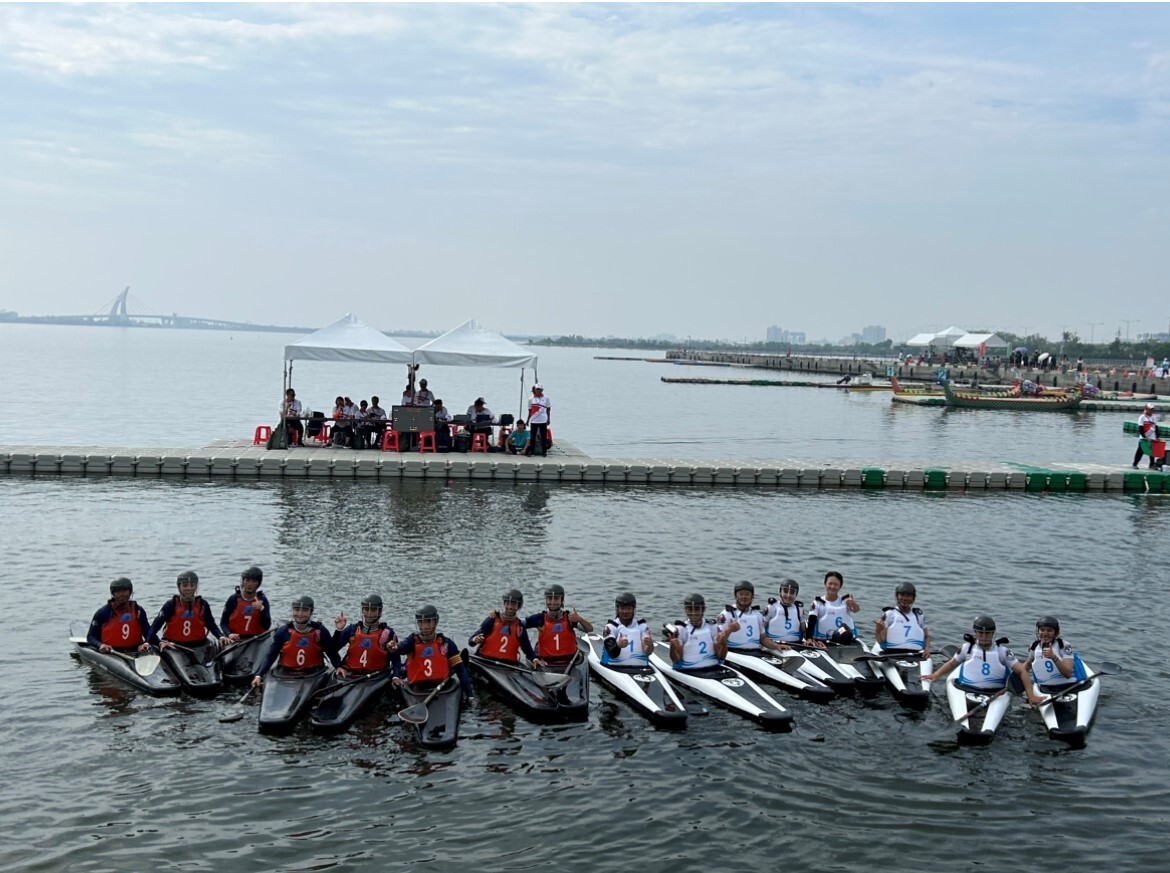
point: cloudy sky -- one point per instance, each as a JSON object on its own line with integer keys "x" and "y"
{"x": 698, "y": 170}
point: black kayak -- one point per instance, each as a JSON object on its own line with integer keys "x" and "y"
{"x": 573, "y": 699}
{"x": 239, "y": 661}
{"x": 196, "y": 667}
{"x": 160, "y": 683}
{"x": 866, "y": 678}
{"x": 338, "y": 707}
{"x": 288, "y": 694}
{"x": 441, "y": 729}
{"x": 516, "y": 686}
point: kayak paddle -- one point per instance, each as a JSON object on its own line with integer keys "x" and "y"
{"x": 144, "y": 665}
{"x": 417, "y": 714}
{"x": 1105, "y": 668}
{"x": 238, "y": 712}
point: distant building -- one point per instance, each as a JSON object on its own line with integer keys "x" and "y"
{"x": 1153, "y": 337}
{"x": 780, "y": 335}
{"x": 873, "y": 334}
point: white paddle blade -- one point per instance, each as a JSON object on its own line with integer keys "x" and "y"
{"x": 145, "y": 665}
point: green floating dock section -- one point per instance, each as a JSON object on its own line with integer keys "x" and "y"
{"x": 1038, "y": 479}
{"x": 936, "y": 479}
{"x": 1152, "y": 482}
{"x": 872, "y": 477}
{"x": 1131, "y": 427}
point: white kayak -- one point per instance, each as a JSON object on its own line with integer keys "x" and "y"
{"x": 784, "y": 669}
{"x": 642, "y": 685}
{"x": 977, "y": 712}
{"x": 1069, "y": 712}
{"x": 905, "y": 674}
{"x": 727, "y": 686}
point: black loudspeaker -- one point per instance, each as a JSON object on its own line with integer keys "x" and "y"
{"x": 412, "y": 419}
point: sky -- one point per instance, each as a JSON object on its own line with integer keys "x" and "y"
{"x": 627, "y": 170}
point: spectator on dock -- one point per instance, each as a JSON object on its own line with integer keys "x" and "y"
{"x": 407, "y": 396}
{"x": 442, "y": 426}
{"x": 1147, "y": 431}
{"x": 518, "y": 439}
{"x": 376, "y": 419}
{"x": 539, "y": 416}
{"x": 423, "y": 396}
{"x": 290, "y": 413}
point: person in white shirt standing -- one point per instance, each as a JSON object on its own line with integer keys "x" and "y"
{"x": 1147, "y": 430}
{"x": 539, "y": 414}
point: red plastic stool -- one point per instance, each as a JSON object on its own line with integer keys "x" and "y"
{"x": 479, "y": 442}
{"x": 262, "y": 436}
{"x": 322, "y": 436}
{"x": 390, "y": 441}
{"x": 426, "y": 442}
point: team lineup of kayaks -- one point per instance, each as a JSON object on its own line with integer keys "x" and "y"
{"x": 560, "y": 692}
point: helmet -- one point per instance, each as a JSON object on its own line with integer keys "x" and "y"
{"x": 1048, "y": 621}
{"x": 790, "y": 585}
{"x": 906, "y": 588}
{"x": 423, "y": 613}
{"x": 253, "y": 572}
{"x": 694, "y": 600}
{"x": 304, "y": 601}
{"x": 121, "y": 584}
{"x": 983, "y": 623}
{"x": 514, "y": 594}
{"x": 187, "y": 576}
{"x": 842, "y": 636}
{"x": 554, "y": 590}
{"x": 374, "y": 601}
{"x": 745, "y": 586}
{"x": 625, "y": 600}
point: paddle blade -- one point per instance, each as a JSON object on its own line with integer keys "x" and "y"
{"x": 551, "y": 681}
{"x": 416, "y": 714}
{"x": 145, "y": 665}
{"x": 233, "y": 715}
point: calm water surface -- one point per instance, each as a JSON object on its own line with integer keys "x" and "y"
{"x": 100, "y": 778}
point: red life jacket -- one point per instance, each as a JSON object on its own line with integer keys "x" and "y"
{"x": 556, "y": 640}
{"x": 503, "y": 643}
{"x": 364, "y": 654}
{"x": 122, "y": 631}
{"x": 186, "y": 624}
{"x": 428, "y": 662}
{"x": 245, "y": 618}
{"x": 302, "y": 651}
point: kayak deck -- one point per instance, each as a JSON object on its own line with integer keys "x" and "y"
{"x": 441, "y": 729}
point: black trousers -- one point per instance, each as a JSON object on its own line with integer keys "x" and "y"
{"x": 538, "y": 439}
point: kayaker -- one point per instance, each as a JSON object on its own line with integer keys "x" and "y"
{"x": 831, "y": 613}
{"x": 246, "y": 613}
{"x": 302, "y": 644}
{"x": 744, "y": 623}
{"x": 121, "y": 625}
{"x": 626, "y": 639}
{"x": 1051, "y": 661}
{"x": 696, "y": 643}
{"x": 903, "y": 626}
{"x": 556, "y": 641}
{"x": 784, "y": 619}
{"x": 186, "y": 618}
{"x": 502, "y": 636}
{"x": 985, "y": 664}
{"x": 370, "y": 641}
{"x": 431, "y": 657}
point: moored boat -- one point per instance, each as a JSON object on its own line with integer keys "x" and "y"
{"x": 160, "y": 682}
{"x": 287, "y": 696}
{"x": 339, "y": 706}
{"x": 517, "y": 686}
{"x": 196, "y": 667}
{"x": 1052, "y": 402}
{"x": 441, "y": 728}
{"x": 729, "y": 687}
{"x": 641, "y": 685}
{"x": 573, "y": 697}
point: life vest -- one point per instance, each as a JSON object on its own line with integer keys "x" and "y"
{"x": 503, "y": 643}
{"x": 302, "y": 651}
{"x": 186, "y": 623}
{"x": 364, "y": 653}
{"x": 428, "y": 662}
{"x": 556, "y": 639}
{"x": 245, "y": 618}
{"x": 122, "y": 631}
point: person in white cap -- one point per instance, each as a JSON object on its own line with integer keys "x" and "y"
{"x": 539, "y": 412}
{"x": 1147, "y": 430}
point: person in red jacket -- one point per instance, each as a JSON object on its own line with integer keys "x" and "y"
{"x": 502, "y": 636}
{"x": 121, "y": 625}
{"x": 185, "y": 619}
{"x": 430, "y": 657}
{"x": 556, "y": 641}
{"x": 370, "y": 641}
{"x": 302, "y": 644}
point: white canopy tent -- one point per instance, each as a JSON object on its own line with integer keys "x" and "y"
{"x": 472, "y": 345}
{"x": 946, "y": 338}
{"x": 922, "y": 339}
{"x": 976, "y": 340}
{"x": 350, "y": 340}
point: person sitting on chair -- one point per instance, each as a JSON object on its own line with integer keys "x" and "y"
{"x": 290, "y": 414}
{"x": 342, "y": 426}
{"x": 376, "y": 420}
{"x": 442, "y": 426}
{"x": 481, "y": 418}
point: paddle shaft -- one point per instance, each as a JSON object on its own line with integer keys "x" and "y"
{"x": 422, "y": 717}
{"x": 1105, "y": 669}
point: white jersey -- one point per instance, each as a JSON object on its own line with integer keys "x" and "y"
{"x": 985, "y": 668}
{"x": 751, "y": 627}
{"x": 698, "y": 646}
{"x": 832, "y": 615}
{"x": 785, "y": 624}
{"x": 904, "y": 631}
{"x": 538, "y": 408}
{"x": 632, "y": 653}
{"x": 1045, "y": 671}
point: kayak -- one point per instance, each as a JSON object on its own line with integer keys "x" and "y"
{"x": 783, "y": 670}
{"x": 572, "y": 699}
{"x": 196, "y": 667}
{"x": 160, "y": 683}
{"x": 979, "y": 729}
{"x": 441, "y": 729}
{"x": 904, "y": 676}
{"x": 866, "y": 678}
{"x": 514, "y": 684}
{"x": 727, "y": 686}
{"x": 1069, "y": 718}
{"x": 338, "y": 707}
{"x": 642, "y": 686}
{"x": 240, "y": 660}
{"x": 820, "y": 665}
{"x": 287, "y": 694}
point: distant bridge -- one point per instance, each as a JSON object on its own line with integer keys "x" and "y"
{"x": 119, "y": 315}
